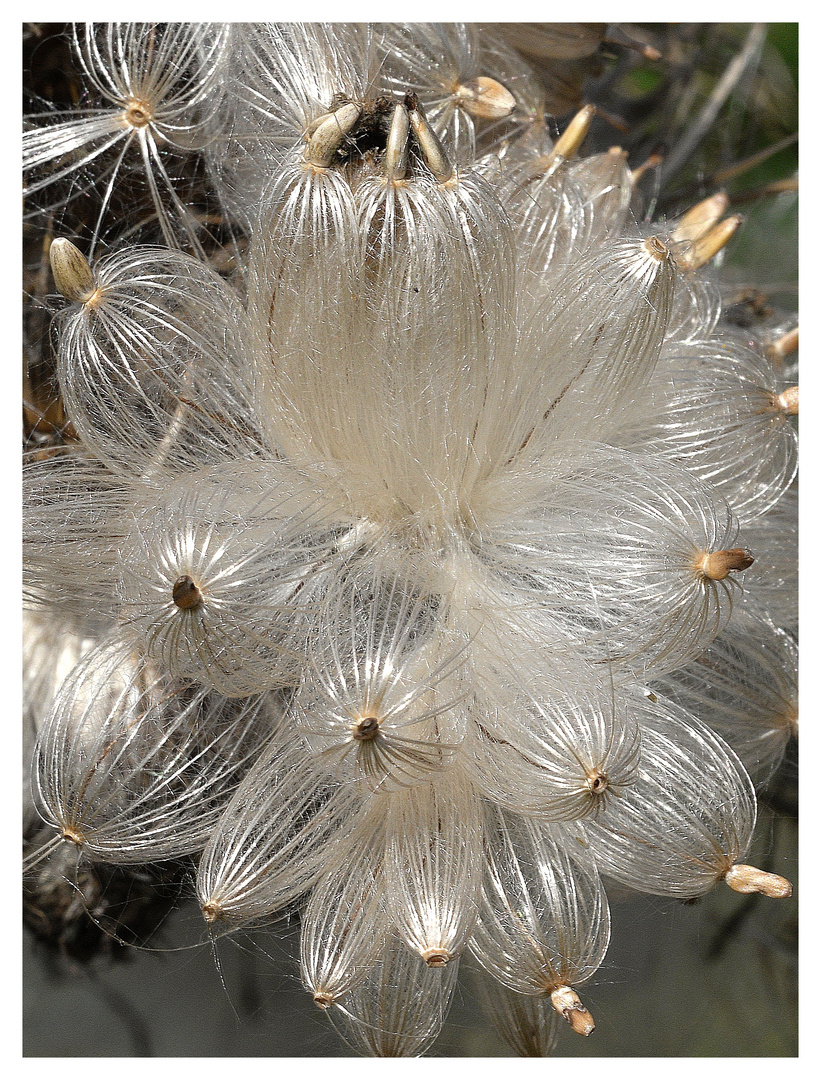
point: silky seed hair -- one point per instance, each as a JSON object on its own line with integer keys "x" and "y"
{"x": 554, "y": 759}
{"x": 144, "y": 787}
{"x": 151, "y": 365}
{"x": 400, "y": 1007}
{"x": 527, "y": 1022}
{"x": 433, "y": 865}
{"x": 160, "y": 91}
{"x": 277, "y": 836}
{"x": 677, "y": 830}
{"x": 223, "y": 572}
{"x": 346, "y": 925}
{"x": 544, "y": 922}
{"x": 655, "y": 525}
{"x": 744, "y": 685}
{"x": 717, "y": 408}
{"x": 427, "y": 557}
{"x": 382, "y": 702}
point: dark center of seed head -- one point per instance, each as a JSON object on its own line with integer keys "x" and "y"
{"x": 597, "y": 782}
{"x": 366, "y": 729}
{"x": 138, "y": 113}
{"x": 186, "y": 594}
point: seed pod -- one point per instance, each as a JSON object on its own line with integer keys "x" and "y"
{"x": 329, "y": 135}
{"x": 486, "y": 98}
{"x": 72, "y": 274}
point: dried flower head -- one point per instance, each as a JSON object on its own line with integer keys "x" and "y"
{"x": 404, "y": 566}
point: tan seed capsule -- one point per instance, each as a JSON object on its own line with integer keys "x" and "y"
{"x": 709, "y": 244}
{"x": 186, "y": 593}
{"x": 73, "y": 836}
{"x": 314, "y": 124}
{"x": 486, "y": 98}
{"x": 652, "y": 162}
{"x": 396, "y": 148}
{"x": 569, "y": 143}
{"x": 749, "y": 879}
{"x": 784, "y": 345}
{"x": 323, "y": 1000}
{"x": 73, "y": 275}
{"x": 717, "y": 565}
{"x": 700, "y": 218}
{"x": 330, "y": 134}
{"x": 788, "y": 401}
{"x": 432, "y": 150}
{"x": 567, "y": 1003}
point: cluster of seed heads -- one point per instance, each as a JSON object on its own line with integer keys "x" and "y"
{"x": 408, "y": 574}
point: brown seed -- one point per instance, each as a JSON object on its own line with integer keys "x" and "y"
{"x": 433, "y": 152}
{"x": 700, "y": 218}
{"x": 788, "y": 401}
{"x": 73, "y": 275}
{"x": 211, "y": 911}
{"x": 138, "y": 113}
{"x": 786, "y": 344}
{"x": 749, "y": 879}
{"x": 330, "y": 134}
{"x": 366, "y": 729}
{"x": 186, "y": 594}
{"x": 717, "y": 565}
{"x": 436, "y": 957}
{"x": 709, "y": 244}
{"x": 597, "y": 781}
{"x": 566, "y": 1001}
{"x": 396, "y": 148}
{"x": 486, "y": 98}
{"x": 569, "y": 143}
{"x": 653, "y": 246}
